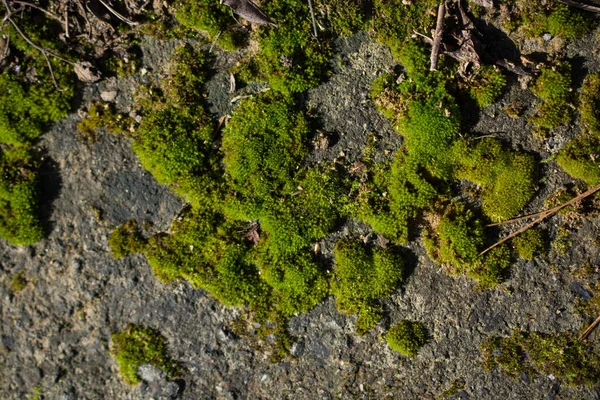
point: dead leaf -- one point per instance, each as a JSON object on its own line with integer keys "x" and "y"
{"x": 484, "y": 3}
{"x": 382, "y": 241}
{"x": 252, "y": 235}
{"x": 86, "y": 72}
{"x": 231, "y": 83}
{"x": 249, "y": 11}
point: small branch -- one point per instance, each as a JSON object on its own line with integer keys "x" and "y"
{"x": 312, "y": 16}
{"x": 121, "y": 17}
{"x": 542, "y": 215}
{"x": 48, "y": 13}
{"x": 585, "y": 7}
{"x": 589, "y": 329}
{"x": 214, "y": 42}
{"x": 437, "y": 37}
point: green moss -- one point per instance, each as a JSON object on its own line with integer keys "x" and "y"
{"x": 18, "y": 282}
{"x": 589, "y": 104}
{"x": 573, "y": 361}
{"x": 579, "y": 158}
{"x": 487, "y": 85}
{"x": 104, "y": 115}
{"x": 362, "y": 275}
{"x": 126, "y": 239}
{"x": 455, "y": 240}
{"x": 507, "y": 178}
{"x": 188, "y": 71}
{"x": 290, "y": 59}
{"x": 562, "y": 243}
{"x": 19, "y": 203}
{"x": 136, "y": 346}
{"x": 553, "y": 86}
{"x": 529, "y": 244}
{"x": 407, "y": 337}
{"x": 394, "y": 21}
{"x": 122, "y": 62}
{"x": 345, "y": 17}
{"x": 568, "y": 23}
{"x": 264, "y": 144}
{"x": 212, "y": 18}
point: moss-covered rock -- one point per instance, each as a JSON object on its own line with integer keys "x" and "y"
{"x": 126, "y": 239}
{"x": 407, "y": 337}
{"x": 529, "y": 244}
{"x": 135, "y": 346}
{"x": 563, "y": 355}
{"x": 362, "y": 276}
{"x": 553, "y": 86}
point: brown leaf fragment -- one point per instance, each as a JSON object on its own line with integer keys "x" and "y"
{"x": 484, "y": 3}
{"x": 86, "y": 72}
{"x": 4, "y": 49}
{"x": 252, "y": 235}
{"x": 382, "y": 241}
{"x": 249, "y": 11}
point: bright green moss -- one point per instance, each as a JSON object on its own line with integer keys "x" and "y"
{"x": 18, "y": 282}
{"x": 573, "y": 361}
{"x": 394, "y": 21}
{"x": 136, "y": 346}
{"x": 589, "y": 104}
{"x": 407, "y": 337}
{"x": 19, "y": 204}
{"x": 529, "y": 244}
{"x": 579, "y": 158}
{"x": 290, "y": 59}
{"x": 455, "y": 240}
{"x": 487, "y": 85}
{"x": 507, "y": 178}
{"x": 568, "y": 23}
{"x": 345, "y": 17}
{"x": 553, "y": 86}
{"x": 264, "y": 144}
{"x": 212, "y": 18}
{"x": 298, "y": 281}
{"x": 126, "y": 239}
{"x": 362, "y": 276}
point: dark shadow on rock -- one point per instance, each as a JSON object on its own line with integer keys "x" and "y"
{"x": 578, "y": 71}
{"x": 49, "y": 185}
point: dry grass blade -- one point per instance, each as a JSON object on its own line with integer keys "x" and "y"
{"x": 437, "y": 37}
{"x": 542, "y": 215}
{"x": 121, "y": 17}
{"x": 589, "y": 329}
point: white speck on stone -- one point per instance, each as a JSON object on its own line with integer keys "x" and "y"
{"x": 263, "y": 378}
{"x": 547, "y": 37}
{"x": 551, "y": 377}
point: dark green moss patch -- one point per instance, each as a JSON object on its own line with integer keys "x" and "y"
{"x": 136, "y": 346}
{"x": 104, "y": 115}
{"x": 573, "y": 361}
{"x": 362, "y": 276}
{"x": 18, "y": 282}
{"x": 126, "y": 239}
{"x": 345, "y": 17}
{"x": 407, "y": 337}
{"x": 486, "y": 85}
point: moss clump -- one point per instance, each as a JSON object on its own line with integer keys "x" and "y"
{"x": 407, "y": 337}
{"x": 456, "y": 238}
{"x": 136, "y": 346}
{"x": 507, "y": 178}
{"x": 19, "y": 202}
{"x": 537, "y": 18}
{"x": 487, "y": 85}
{"x": 126, "y": 239}
{"x": 579, "y": 157}
{"x": 212, "y": 18}
{"x": 553, "y": 86}
{"x": 18, "y": 282}
{"x": 394, "y": 21}
{"x": 345, "y": 17}
{"x": 290, "y": 59}
{"x": 562, "y": 355}
{"x": 562, "y": 242}
{"x": 529, "y": 244}
{"x": 104, "y": 115}
{"x": 362, "y": 276}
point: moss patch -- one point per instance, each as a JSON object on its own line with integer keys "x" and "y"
{"x": 362, "y": 275}
{"x": 136, "y": 346}
{"x": 553, "y": 86}
{"x": 487, "y": 85}
{"x": 573, "y": 361}
{"x": 18, "y": 282}
{"x": 406, "y": 337}
{"x": 529, "y": 244}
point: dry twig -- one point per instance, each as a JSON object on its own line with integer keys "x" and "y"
{"x": 585, "y": 7}
{"x": 437, "y": 37}
{"x": 589, "y": 329}
{"x": 542, "y": 215}
{"x": 312, "y": 16}
{"x": 121, "y": 17}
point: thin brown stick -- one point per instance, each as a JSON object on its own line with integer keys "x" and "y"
{"x": 585, "y": 7}
{"x": 589, "y": 329}
{"x": 48, "y": 13}
{"x": 312, "y": 16}
{"x": 543, "y": 215}
{"x": 121, "y": 17}
{"x": 437, "y": 37}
